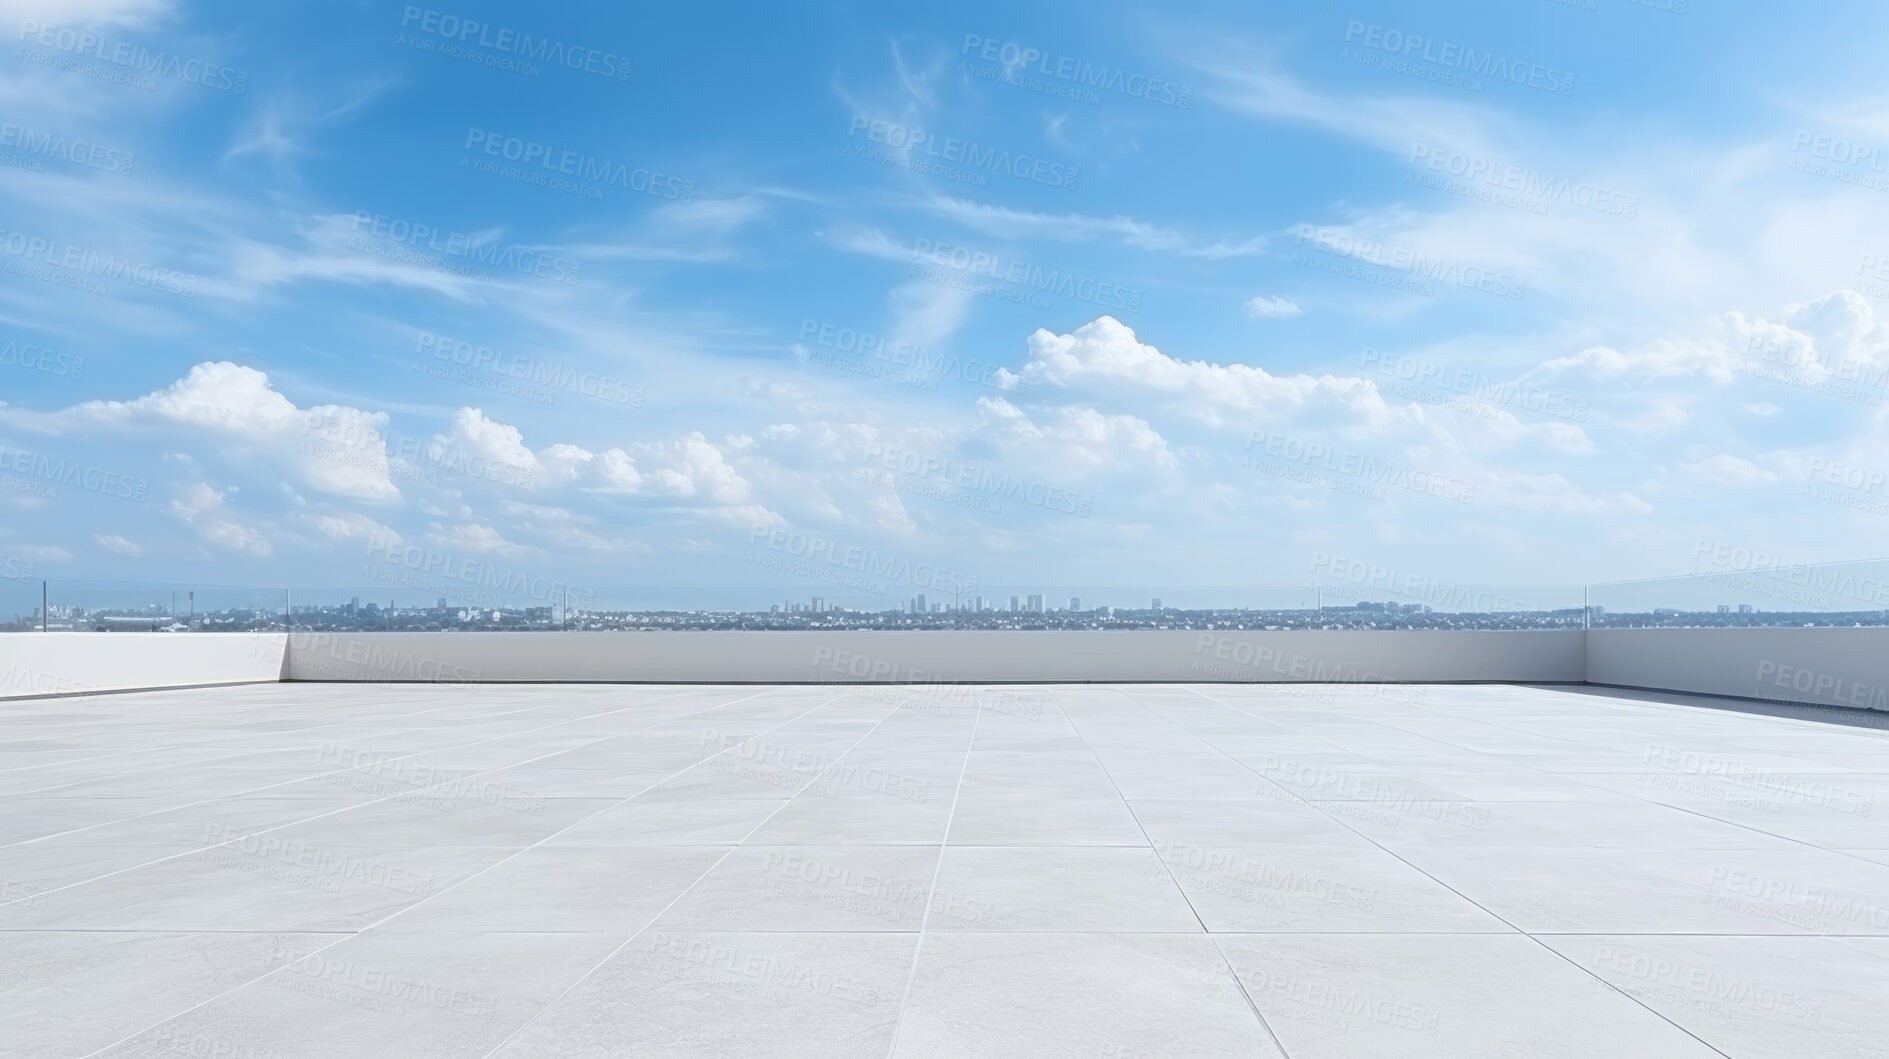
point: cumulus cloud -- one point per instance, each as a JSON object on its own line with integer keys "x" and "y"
{"x": 1834, "y": 335}
{"x": 1106, "y": 350}
{"x": 1078, "y": 438}
{"x": 335, "y": 449}
{"x": 352, "y": 526}
{"x": 473, "y": 538}
{"x": 1264, "y": 307}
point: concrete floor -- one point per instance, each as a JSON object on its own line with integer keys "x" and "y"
{"x": 1143, "y": 870}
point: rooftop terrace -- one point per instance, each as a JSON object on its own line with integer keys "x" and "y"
{"x": 1085, "y": 870}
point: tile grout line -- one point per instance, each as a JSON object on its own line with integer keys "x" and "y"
{"x": 1640, "y": 798}
{"x": 1392, "y": 853}
{"x": 244, "y": 735}
{"x": 706, "y": 872}
{"x": 469, "y": 878}
{"x": 1233, "y": 973}
{"x": 944, "y": 844}
{"x": 403, "y": 796}
{"x": 232, "y": 796}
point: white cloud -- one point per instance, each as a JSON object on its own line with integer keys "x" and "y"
{"x": 1266, "y": 307}
{"x": 80, "y": 12}
{"x": 195, "y": 499}
{"x": 202, "y": 505}
{"x": 352, "y": 526}
{"x": 889, "y": 514}
{"x": 1106, "y": 350}
{"x": 118, "y": 545}
{"x": 335, "y": 449}
{"x": 472, "y": 435}
{"x": 1725, "y": 469}
{"x": 1077, "y": 439}
{"x": 571, "y": 531}
{"x": 474, "y": 538}
{"x": 1007, "y": 222}
{"x": 237, "y": 537}
{"x": 1531, "y": 491}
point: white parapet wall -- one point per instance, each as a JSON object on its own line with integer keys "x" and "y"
{"x": 934, "y": 656}
{"x": 85, "y": 663}
{"x": 1822, "y": 666}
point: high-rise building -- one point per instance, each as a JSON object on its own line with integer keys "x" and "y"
{"x": 1013, "y": 604}
{"x": 354, "y": 605}
{"x": 1744, "y": 608}
{"x": 1156, "y": 605}
{"x": 922, "y": 608}
{"x": 978, "y": 604}
{"x": 1036, "y": 603}
{"x": 1724, "y": 609}
{"x": 819, "y": 605}
{"x": 1075, "y": 603}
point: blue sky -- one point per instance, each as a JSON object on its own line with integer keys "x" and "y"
{"x": 853, "y": 301}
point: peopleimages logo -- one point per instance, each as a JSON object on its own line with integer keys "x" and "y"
{"x": 1073, "y": 72}
{"x": 506, "y": 41}
{"x": 70, "y": 472}
{"x": 41, "y": 359}
{"x": 82, "y": 262}
{"x": 529, "y": 370}
{"x": 79, "y": 152}
{"x": 132, "y": 58}
{"x": 974, "y": 263}
{"x": 967, "y": 153}
{"x": 1458, "y": 57}
{"x": 468, "y": 248}
{"x": 1338, "y": 242}
{"x": 579, "y": 166}
{"x": 814, "y": 552}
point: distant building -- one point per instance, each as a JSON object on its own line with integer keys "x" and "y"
{"x": 819, "y": 605}
{"x": 1744, "y": 608}
{"x": 1075, "y": 603}
{"x": 1724, "y": 609}
{"x": 1036, "y": 604}
{"x": 1157, "y": 604}
{"x": 1013, "y": 604}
